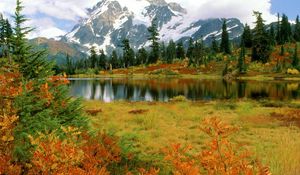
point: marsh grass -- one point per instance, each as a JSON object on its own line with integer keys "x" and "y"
{"x": 275, "y": 144}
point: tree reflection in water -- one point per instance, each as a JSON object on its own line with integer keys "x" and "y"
{"x": 163, "y": 89}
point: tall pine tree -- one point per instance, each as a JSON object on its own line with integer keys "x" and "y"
{"x": 171, "y": 51}
{"x": 214, "y": 45}
{"x": 153, "y": 38}
{"x": 102, "y": 60}
{"x": 241, "y": 60}
{"x": 285, "y": 30}
{"x": 180, "y": 52}
{"x": 261, "y": 49}
{"x": 142, "y": 56}
{"x": 114, "y": 60}
{"x": 225, "y": 44}
{"x": 297, "y": 30}
{"x": 247, "y": 37}
{"x": 128, "y": 54}
{"x": 190, "y": 49}
{"x": 33, "y": 64}
{"x": 93, "y": 57}
{"x": 295, "y": 61}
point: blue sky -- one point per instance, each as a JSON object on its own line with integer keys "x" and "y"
{"x": 57, "y": 17}
{"x": 289, "y": 7}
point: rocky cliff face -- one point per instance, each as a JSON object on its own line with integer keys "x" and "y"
{"x": 110, "y": 21}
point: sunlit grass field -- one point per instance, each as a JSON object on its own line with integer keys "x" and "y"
{"x": 145, "y": 128}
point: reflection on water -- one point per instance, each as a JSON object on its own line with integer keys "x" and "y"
{"x": 109, "y": 90}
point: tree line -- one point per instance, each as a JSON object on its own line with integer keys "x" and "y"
{"x": 261, "y": 39}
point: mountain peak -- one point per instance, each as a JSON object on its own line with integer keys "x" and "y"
{"x": 110, "y": 21}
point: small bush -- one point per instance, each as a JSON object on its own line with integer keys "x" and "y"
{"x": 179, "y": 98}
{"x": 220, "y": 156}
{"x": 293, "y": 72}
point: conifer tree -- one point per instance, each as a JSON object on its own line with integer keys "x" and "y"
{"x": 297, "y": 30}
{"x": 163, "y": 51}
{"x": 33, "y": 64}
{"x": 282, "y": 51}
{"x": 272, "y": 35}
{"x": 69, "y": 65}
{"x": 153, "y": 38}
{"x": 6, "y": 35}
{"x": 171, "y": 51}
{"x": 93, "y": 58}
{"x": 261, "y": 49}
{"x": 114, "y": 59}
{"x": 128, "y": 54}
{"x": 180, "y": 52}
{"x": 190, "y": 49}
{"x": 295, "y": 61}
{"x": 278, "y": 33}
{"x": 102, "y": 60}
{"x": 214, "y": 45}
{"x": 199, "y": 54}
{"x": 45, "y": 105}
{"x": 142, "y": 56}
{"x": 2, "y": 37}
{"x": 285, "y": 30}
{"x": 241, "y": 60}
{"x": 247, "y": 37}
{"x": 225, "y": 44}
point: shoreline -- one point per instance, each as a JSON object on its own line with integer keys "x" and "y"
{"x": 199, "y": 76}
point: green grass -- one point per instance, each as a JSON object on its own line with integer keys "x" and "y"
{"x": 146, "y": 134}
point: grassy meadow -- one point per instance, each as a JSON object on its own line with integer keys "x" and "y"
{"x": 270, "y": 130}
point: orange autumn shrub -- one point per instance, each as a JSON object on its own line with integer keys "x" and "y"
{"x": 152, "y": 171}
{"x": 53, "y": 155}
{"x": 76, "y": 154}
{"x": 100, "y": 152}
{"x": 183, "y": 164}
{"x": 220, "y": 156}
{"x": 10, "y": 87}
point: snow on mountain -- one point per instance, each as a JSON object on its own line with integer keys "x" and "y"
{"x": 110, "y": 21}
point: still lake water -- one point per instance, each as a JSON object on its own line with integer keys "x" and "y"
{"x": 163, "y": 89}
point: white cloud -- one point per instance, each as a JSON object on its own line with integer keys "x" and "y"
{"x": 47, "y": 10}
{"x": 241, "y": 9}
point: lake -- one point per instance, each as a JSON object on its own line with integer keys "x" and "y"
{"x": 163, "y": 89}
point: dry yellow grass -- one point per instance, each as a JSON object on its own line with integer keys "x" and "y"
{"x": 161, "y": 124}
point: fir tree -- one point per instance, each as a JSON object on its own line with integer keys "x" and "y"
{"x": 102, "y": 60}
{"x": 46, "y": 106}
{"x": 261, "y": 49}
{"x": 33, "y": 64}
{"x": 241, "y": 60}
{"x": 153, "y": 38}
{"x": 142, "y": 56}
{"x": 171, "y": 51}
{"x": 295, "y": 61}
{"x": 180, "y": 53}
{"x": 199, "y": 54}
{"x": 128, "y": 54}
{"x": 214, "y": 45}
{"x": 191, "y": 47}
{"x": 272, "y": 35}
{"x": 247, "y": 37}
{"x": 114, "y": 60}
{"x": 278, "y": 33}
{"x": 163, "y": 51}
{"x": 225, "y": 44}
{"x": 69, "y": 66}
{"x": 297, "y": 30}
{"x": 93, "y": 58}
{"x": 285, "y": 30}
{"x": 282, "y": 51}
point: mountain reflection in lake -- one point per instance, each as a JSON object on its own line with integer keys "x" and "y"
{"x": 112, "y": 89}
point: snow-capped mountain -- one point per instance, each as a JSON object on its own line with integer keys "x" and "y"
{"x": 110, "y": 21}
